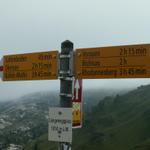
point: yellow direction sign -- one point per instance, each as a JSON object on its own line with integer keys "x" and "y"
{"x": 31, "y": 66}
{"x": 132, "y": 61}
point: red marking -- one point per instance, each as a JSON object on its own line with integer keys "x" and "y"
{"x": 1, "y": 68}
{"x": 77, "y": 99}
{"x": 77, "y": 91}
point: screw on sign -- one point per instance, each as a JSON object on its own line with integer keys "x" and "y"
{"x": 60, "y": 124}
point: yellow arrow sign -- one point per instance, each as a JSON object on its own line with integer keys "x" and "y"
{"x": 131, "y": 61}
{"x": 32, "y": 66}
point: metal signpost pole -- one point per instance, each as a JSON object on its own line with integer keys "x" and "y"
{"x": 66, "y": 80}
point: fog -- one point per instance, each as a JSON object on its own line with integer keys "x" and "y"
{"x": 41, "y": 25}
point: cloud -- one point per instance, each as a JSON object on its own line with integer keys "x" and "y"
{"x": 41, "y": 25}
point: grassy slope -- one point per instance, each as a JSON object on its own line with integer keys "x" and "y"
{"x": 120, "y": 123}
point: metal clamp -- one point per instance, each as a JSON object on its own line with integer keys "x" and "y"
{"x": 64, "y": 72}
{"x": 66, "y": 95}
{"x": 66, "y": 78}
{"x": 64, "y": 56}
{"x": 69, "y": 58}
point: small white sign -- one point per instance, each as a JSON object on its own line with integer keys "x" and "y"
{"x": 60, "y": 124}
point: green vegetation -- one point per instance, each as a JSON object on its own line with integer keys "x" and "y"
{"x": 116, "y": 123}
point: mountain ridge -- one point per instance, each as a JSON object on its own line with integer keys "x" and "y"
{"x": 107, "y": 117}
{"x": 120, "y": 122}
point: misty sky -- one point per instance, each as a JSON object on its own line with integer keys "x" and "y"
{"x": 41, "y": 25}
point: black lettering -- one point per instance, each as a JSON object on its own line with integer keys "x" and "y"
{"x": 123, "y": 61}
{"x": 42, "y": 66}
{"x": 133, "y": 51}
{"x": 9, "y": 75}
{"x": 91, "y": 54}
{"x": 104, "y": 72}
{"x": 89, "y": 63}
{"x": 10, "y": 59}
{"x": 123, "y": 51}
{"x": 131, "y": 71}
{"x": 42, "y": 74}
{"x": 11, "y": 68}
{"x": 123, "y": 72}
{"x": 21, "y": 75}
{"x": 45, "y": 56}
{"x": 140, "y": 71}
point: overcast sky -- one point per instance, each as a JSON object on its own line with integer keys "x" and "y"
{"x": 41, "y": 25}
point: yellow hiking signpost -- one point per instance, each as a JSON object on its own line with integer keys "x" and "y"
{"x": 131, "y": 61}
{"x": 32, "y": 66}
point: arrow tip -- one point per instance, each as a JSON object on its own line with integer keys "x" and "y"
{"x": 77, "y": 86}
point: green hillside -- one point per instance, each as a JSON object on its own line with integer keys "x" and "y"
{"x": 116, "y": 123}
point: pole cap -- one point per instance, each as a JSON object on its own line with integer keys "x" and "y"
{"x": 66, "y": 47}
